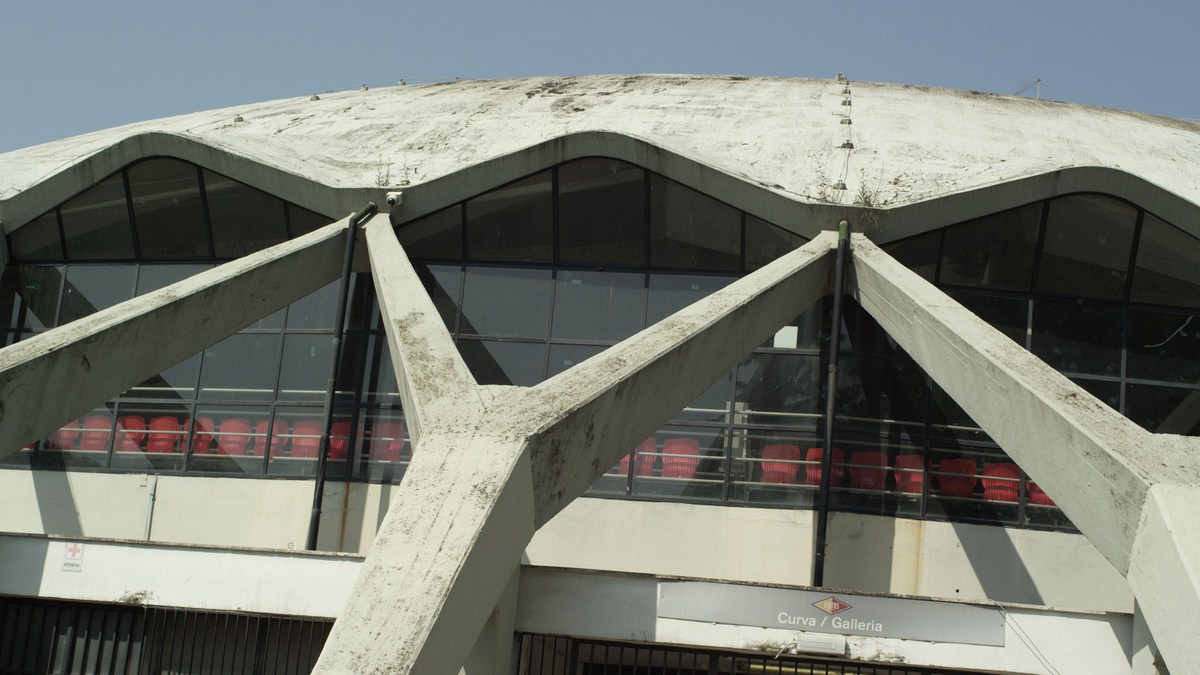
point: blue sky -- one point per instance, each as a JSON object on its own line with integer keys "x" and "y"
{"x": 68, "y": 67}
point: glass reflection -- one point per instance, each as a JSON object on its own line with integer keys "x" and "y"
{"x": 1168, "y": 265}
{"x": 167, "y": 209}
{"x": 598, "y": 305}
{"x": 601, "y": 214}
{"x": 243, "y": 219}
{"x": 91, "y": 288}
{"x": 38, "y": 240}
{"x": 513, "y": 223}
{"x": 1087, "y": 245}
{"x": 506, "y": 302}
{"x": 690, "y": 230}
{"x": 96, "y": 223}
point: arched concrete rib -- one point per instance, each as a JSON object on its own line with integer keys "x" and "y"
{"x": 65, "y": 372}
{"x": 478, "y": 487}
{"x": 1133, "y": 494}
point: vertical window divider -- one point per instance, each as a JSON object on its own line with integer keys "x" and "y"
{"x": 208, "y": 234}
{"x": 137, "y": 245}
{"x": 62, "y": 234}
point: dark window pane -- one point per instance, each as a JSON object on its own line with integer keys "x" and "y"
{"x": 29, "y": 296}
{"x": 1005, "y": 314}
{"x": 670, "y": 293}
{"x": 712, "y": 405}
{"x": 1086, "y": 252}
{"x": 379, "y": 383}
{"x": 519, "y": 363}
{"x": 1163, "y": 346}
{"x": 1168, "y": 265}
{"x": 240, "y": 367}
{"x": 304, "y": 373}
{"x": 513, "y": 223}
{"x": 167, "y": 209}
{"x": 96, "y": 223}
{"x": 690, "y": 230}
{"x": 38, "y": 240}
{"x": 302, "y": 221}
{"x": 243, "y": 219}
{"x": 176, "y": 382}
{"x": 437, "y": 236}
{"x": 91, "y": 288}
{"x": 229, "y": 439}
{"x": 919, "y": 253}
{"x": 996, "y": 250}
{"x": 780, "y": 390}
{"x": 1077, "y": 336}
{"x": 601, "y": 212}
{"x": 506, "y": 302}
{"x": 444, "y": 285}
{"x": 1164, "y": 410}
{"x": 598, "y": 305}
{"x": 565, "y": 357}
{"x": 315, "y": 310}
{"x": 766, "y": 242}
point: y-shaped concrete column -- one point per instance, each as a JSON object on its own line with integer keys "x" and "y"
{"x": 87, "y": 362}
{"x": 1135, "y": 495}
{"x": 493, "y": 463}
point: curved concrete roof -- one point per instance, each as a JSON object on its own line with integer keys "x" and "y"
{"x": 770, "y": 145}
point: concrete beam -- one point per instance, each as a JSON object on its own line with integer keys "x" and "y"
{"x": 1133, "y": 494}
{"x": 593, "y": 414}
{"x": 82, "y": 364}
{"x": 435, "y": 384}
{"x": 494, "y": 462}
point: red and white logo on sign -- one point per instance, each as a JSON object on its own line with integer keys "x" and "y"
{"x": 831, "y": 605}
{"x": 74, "y": 551}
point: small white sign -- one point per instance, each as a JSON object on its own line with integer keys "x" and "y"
{"x": 73, "y": 557}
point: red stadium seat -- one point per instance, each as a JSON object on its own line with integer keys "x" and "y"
{"x": 234, "y": 438}
{"x": 1001, "y": 481}
{"x": 1036, "y": 495}
{"x": 339, "y": 439}
{"x": 131, "y": 431}
{"x": 387, "y": 442}
{"x": 680, "y": 458}
{"x": 201, "y": 435}
{"x": 780, "y": 463}
{"x": 645, "y": 458}
{"x": 868, "y": 470}
{"x": 306, "y": 438}
{"x": 96, "y": 431}
{"x": 65, "y": 437}
{"x": 957, "y": 477}
{"x": 164, "y": 435}
{"x": 278, "y": 437}
{"x": 910, "y": 473}
{"x": 812, "y": 470}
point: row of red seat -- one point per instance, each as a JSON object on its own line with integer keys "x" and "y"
{"x": 867, "y": 469}
{"x": 232, "y": 436}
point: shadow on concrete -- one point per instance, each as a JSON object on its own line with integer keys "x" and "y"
{"x": 56, "y": 503}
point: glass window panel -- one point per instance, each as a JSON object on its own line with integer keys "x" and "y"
{"x": 881, "y": 389}
{"x": 1005, "y": 314}
{"x": 506, "y": 302}
{"x": 444, "y": 286}
{"x": 243, "y": 219}
{"x": 598, "y": 305}
{"x": 1164, "y": 410}
{"x": 29, "y": 296}
{"x": 1086, "y": 251}
{"x": 712, "y": 405}
{"x": 779, "y": 390}
{"x": 388, "y": 447}
{"x": 150, "y": 437}
{"x": 919, "y": 254}
{"x": 437, "y": 236}
{"x": 167, "y": 209}
{"x": 91, "y": 288}
{"x": 177, "y": 382}
{"x": 38, "y": 240}
{"x": 513, "y": 223}
{"x": 519, "y": 363}
{"x": 1077, "y": 336}
{"x": 996, "y": 250}
{"x": 304, "y": 373}
{"x": 766, "y": 242}
{"x": 96, "y": 223}
{"x": 315, "y": 310}
{"x": 686, "y": 463}
{"x": 690, "y": 230}
{"x": 807, "y": 332}
{"x": 302, "y": 221}
{"x": 80, "y": 443}
{"x": 565, "y": 357}
{"x": 1168, "y": 265}
{"x": 670, "y": 293}
{"x": 241, "y": 367}
{"x": 601, "y": 210}
{"x": 1163, "y": 346}
{"x": 380, "y": 379}
{"x": 238, "y": 441}
{"x": 298, "y": 430}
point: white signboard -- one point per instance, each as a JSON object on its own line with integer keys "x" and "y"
{"x": 824, "y": 612}
{"x": 73, "y": 557}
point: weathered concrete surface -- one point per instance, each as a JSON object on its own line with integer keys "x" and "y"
{"x": 1129, "y": 491}
{"x": 770, "y": 140}
{"x": 493, "y": 463}
{"x": 89, "y": 361}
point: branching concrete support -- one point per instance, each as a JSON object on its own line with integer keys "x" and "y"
{"x": 493, "y": 463}
{"x": 1135, "y": 495}
{"x": 87, "y": 362}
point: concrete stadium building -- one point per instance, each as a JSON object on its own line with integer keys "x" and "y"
{"x": 538, "y": 376}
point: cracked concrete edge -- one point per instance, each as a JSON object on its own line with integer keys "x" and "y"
{"x": 586, "y": 418}
{"x": 443, "y": 557}
{"x": 1163, "y": 572}
{"x": 1096, "y": 464}
{"x": 436, "y": 387}
{"x": 82, "y": 364}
